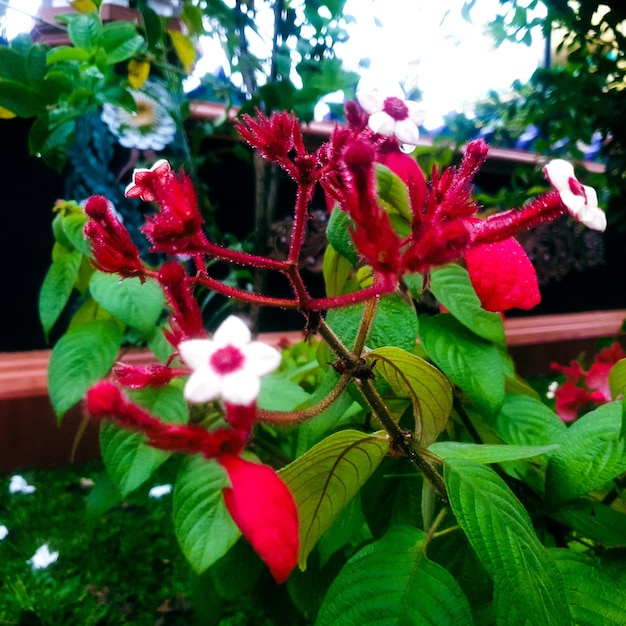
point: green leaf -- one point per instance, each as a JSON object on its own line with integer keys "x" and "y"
{"x": 63, "y": 54}
{"x": 80, "y": 358}
{"x": 12, "y": 65}
{"x": 121, "y": 41}
{"x": 393, "y": 193}
{"x": 524, "y": 420}
{"x": 203, "y": 526}
{"x": 595, "y": 598}
{"x": 591, "y": 454}
{"x": 592, "y": 519}
{"x": 327, "y": 477}
{"x": 527, "y": 587}
{"x": 469, "y": 361}
{"x": 451, "y": 285}
{"x": 338, "y": 235}
{"x": 57, "y": 288}
{"x": 487, "y": 453}
{"x": 395, "y": 324}
{"x": 336, "y": 270}
{"x": 137, "y": 304}
{"x": 85, "y": 30}
{"x": 429, "y": 390}
{"x": 129, "y": 461}
{"x": 280, "y": 394}
{"x": 391, "y": 581}
{"x": 73, "y": 226}
{"x": 20, "y": 99}
{"x": 617, "y": 379}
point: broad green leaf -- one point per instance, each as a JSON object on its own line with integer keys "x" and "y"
{"x": 594, "y": 596}
{"x": 280, "y": 394}
{"x": 391, "y": 581}
{"x": 129, "y": 461}
{"x": 487, "y": 453}
{"x": 137, "y": 304}
{"x": 395, "y": 324}
{"x": 121, "y": 41}
{"x": 338, "y": 235}
{"x": 592, "y": 519}
{"x": 527, "y": 587}
{"x": 12, "y": 65}
{"x": 73, "y": 226}
{"x": 468, "y": 360}
{"x": 85, "y": 30}
{"x": 617, "y": 379}
{"x": 327, "y": 477}
{"x": 203, "y": 526}
{"x": 591, "y": 454}
{"x": 336, "y": 270}
{"x": 526, "y": 421}
{"x": 80, "y": 358}
{"x": 20, "y": 99}
{"x": 62, "y": 54}
{"x": 36, "y": 68}
{"x": 57, "y": 288}
{"x": 393, "y": 193}
{"x": 451, "y": 285}
{"x": 429, "y": 390}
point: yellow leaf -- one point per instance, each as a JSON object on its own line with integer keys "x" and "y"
{"x": 83, "y": 6}
{"x": 184, "y": 48}
{"x": 5, "y": 114}
{"x": 138, "y": 72}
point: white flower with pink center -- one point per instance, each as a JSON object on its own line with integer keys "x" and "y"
{"x": 581, "y": 201}
{"x": 391, "y": 115}
{"x": 229, "y": 366}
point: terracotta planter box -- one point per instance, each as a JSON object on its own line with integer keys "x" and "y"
{"x": 30, "y": 437}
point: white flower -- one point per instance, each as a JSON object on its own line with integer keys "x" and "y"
{"x": 150, "y": 128}
{"x": 43, "y": 557}
{"x": 4, "y": 531}
{"x": 552, "y": 389}
{"x": 390, "y": 114}
{"x": 19, "y": 485}
{"x": 228, "y": 366}
{"x": 581, "y": 201}
{"x": 159, "y": 491}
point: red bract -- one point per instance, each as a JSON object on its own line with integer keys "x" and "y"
{"x": 503, "y": 276}
{"x": 598, "y": 375}
{"x": 263, "y": 508}
{"x": 571, "y": 400}
{"x": 111, "y": 244}
{"x": 140, "y": 376}
{"x": 411, "y": 175}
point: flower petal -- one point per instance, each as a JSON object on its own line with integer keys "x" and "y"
{"x": 382, "y": 123}
{"x": 503, "y": 276}
{"x": 240, "y": 387}
{"x": 261, "y": 358}
{"x": 263, "y": 508}
{"x": 371, "y": 101}
{"x": 202, "y": 386}
{"x": 417, "y": 114}
{"x": 407, "y": 132}
{"x": 558, "y": 172}
{"x": 196, "y": 353}
{"x": 593, "y": 217}
{"x": 232, "y": 331}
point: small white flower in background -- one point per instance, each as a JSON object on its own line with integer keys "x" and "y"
{"x": 229, "y": 366}
{"x": 390, "y": 114}
{"x": 43, "y": 557}
{"x": 159, "y": 491}
{"x": 581, "y": 201}
{"x": 551, "y": 393}
{"x": 19, "y": 485}
{"x": 150, "y": 128}
{"x": 4, "y": 531}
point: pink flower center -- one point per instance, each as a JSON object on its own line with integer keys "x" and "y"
{"x": 396, "y": 108}
{"x": 226, "y": 360}
{"x": 576, "y": 188}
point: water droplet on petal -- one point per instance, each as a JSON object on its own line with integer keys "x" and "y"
{"x": 407, "y": 148}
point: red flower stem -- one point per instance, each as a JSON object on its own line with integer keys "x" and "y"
{"x": 499, "y": 226}
{"x": 303, "y": 199}
{"x": 244, "y": 258}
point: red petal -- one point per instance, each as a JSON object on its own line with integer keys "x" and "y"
{"x": 263, "y": 508}
{"x": 503, "y": 276}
